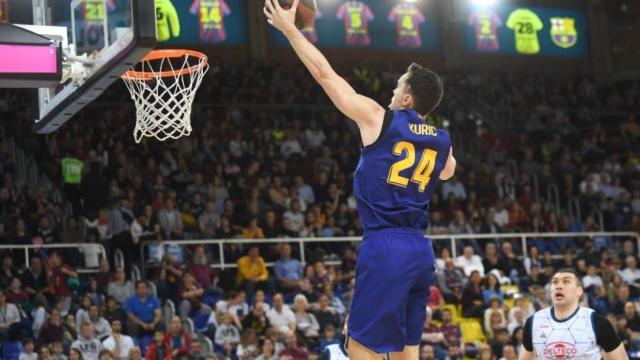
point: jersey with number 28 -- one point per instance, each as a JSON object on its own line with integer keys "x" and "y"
{"x": 398, "y": 173}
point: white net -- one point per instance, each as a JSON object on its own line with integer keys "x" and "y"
{"x": 163, "y": 87}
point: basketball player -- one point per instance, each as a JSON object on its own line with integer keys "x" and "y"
{"x": 568, "y": 331}
{"x": 402, "y": 160}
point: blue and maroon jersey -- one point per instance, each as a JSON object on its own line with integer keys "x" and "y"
{"x": 211, "y": 15}
{"x": 398, "y": 173}
{"x": 356, "y": 16}
{"x": 485, "y": 24}
{"x": 408, "y": 19}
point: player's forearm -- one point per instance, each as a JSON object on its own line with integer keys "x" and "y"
{"x": 310, "y": 56}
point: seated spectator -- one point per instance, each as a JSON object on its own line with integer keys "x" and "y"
{"x": 454, "y": 353}
{"x": 9, "y": 318}
{"x": 472, "y": 297}
{"x": 494, "y": 318}
{"x": 260, "y": 297}
{"x": 28, "y": 352}
{"x": 267, "y": 351}
{"x": 491, "y": 289}
{"x": 134, "y": 354}
{"x": 281, "y": 317}
{"x": 533, "y": 259}
{"x": 236, "y": 306}
{"x": 204, "y": 275}
{"x": 226, "y": 333}
{"x": 158, "y": 349}
{"x": 306, "y": 322}
{"x": 511, "y": 261}
{"x": 253, "y": 231}
{"x": 143, "y": 311}
{"x": 253, "y": 273}
{"x": 509, "y": 353}
{"x": 326, "y": 314}
{"x": 631, "y": 274}
{"x": 75, "y": 354}
{"x": 520, "y": 303}
{"x": 288, "y": 271}
{"x": 57, "y": 351}
{"x": 329, "y": 337}
{"x": 499, "y": 341}
{"x": 449, "y": 278}
{"x": 485, "y": 353}
{"x": 257, "y": 320}
{"x": 82, "y": 314}
{"x": 470, "y": 262}
{"x": 451, "y": 331}
{"x": 191, "y": 294}
{"x": 430, "y": 333}
{"x": 104, "y": 275}
{"x": 320, "y": 278}
{"x": 492, "y": 259}
{"x": 88, "y": 345}
{"x": 101, "y": 328}
{"x": 169, "y": 278}
{"x": 69, "y": 332}
{"x": 599, "y": 301}
{"x": 38, "y": 313}
{"x": 177, "y": 340}
{"x": 624, "y": 295}
{"x": 170, "y": 220}
{"x": 535, "y": 279}
{"x": 248, "y": 347}
{"x": 112, "y": 311}
{"x": 52, "y": 330}
{"x": 518, "y": 320}
{"x": 119, "y": 344}
{"x": 96, "y": 295}
{"x": 120, "y": 288}
{"x": 16, "y": 295}
{"x": 427, "y": 353}
{"x": 292, "y": 349}
{"x": 34, "y": 279}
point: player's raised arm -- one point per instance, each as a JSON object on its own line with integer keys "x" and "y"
{"x": 364, "y": 111}
{"x": 449, "y": 168}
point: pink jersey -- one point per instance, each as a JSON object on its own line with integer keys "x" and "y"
{"x": 356, "y": 16}
{"x": 408, "y": 19}
{"x": 211, "y": 14}
{"x": 486, "y": 23}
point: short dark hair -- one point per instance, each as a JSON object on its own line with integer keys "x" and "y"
{"x": 425, "y": 87}
{"x": 570, "y": 271}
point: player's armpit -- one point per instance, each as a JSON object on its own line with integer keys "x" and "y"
{"x": 367, "y": 113}
{"x": 525, "y": 354}
{"x": 618, "y": 354}
{"x": 449, "y": 168}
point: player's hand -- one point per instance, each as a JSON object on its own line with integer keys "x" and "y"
{"x": 281, "y": 19}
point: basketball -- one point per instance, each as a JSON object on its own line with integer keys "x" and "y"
{"x": 306, "y": 12}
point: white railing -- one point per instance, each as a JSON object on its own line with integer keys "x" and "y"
{"x": 302, "y": 242}
{"x": 27, "y": 259}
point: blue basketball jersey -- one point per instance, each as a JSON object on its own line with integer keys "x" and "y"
{"x": 397, "y": 174}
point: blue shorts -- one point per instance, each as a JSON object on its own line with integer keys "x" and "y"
{"x": 395, "y": 269}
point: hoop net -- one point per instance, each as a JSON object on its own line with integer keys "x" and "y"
{"x": 163, "y": 87}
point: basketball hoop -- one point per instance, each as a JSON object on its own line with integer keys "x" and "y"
{"x": 163, "y": 87}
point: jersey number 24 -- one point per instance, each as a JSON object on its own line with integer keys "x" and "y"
{"x": 421, "y": 174}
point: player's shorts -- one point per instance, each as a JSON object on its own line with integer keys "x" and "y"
{"x": 395, "y": 269}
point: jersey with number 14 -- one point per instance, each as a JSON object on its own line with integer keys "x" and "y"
{"x": 399, "y": 172}
{"x": 211, "y": 14}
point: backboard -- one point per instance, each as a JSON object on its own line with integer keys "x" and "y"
{"x": 100, "y": 39}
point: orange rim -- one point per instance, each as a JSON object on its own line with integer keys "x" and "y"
{"x": 167, "y": 54}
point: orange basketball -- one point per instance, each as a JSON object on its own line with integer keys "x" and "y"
{"x": 305, "y": 14}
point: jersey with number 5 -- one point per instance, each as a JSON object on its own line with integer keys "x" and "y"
{"x": 399, "y": 172}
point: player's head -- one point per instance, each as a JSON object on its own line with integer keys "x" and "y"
{"x": 419, "y": 89}
{"x": 566, "y": 288}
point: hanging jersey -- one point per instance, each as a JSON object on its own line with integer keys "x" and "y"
{"x": 211, "y": 14}
{"x": 167, "y": 21}
{"x": 310, "y": 32}
{"x": 397, "y": 174}
{"x": 485, "y": 23}
{"x": 583, "y": 335}
{"x": 356, "y": 16}
{"x": 408, "y": 19}
{"x": 525, "y": 25}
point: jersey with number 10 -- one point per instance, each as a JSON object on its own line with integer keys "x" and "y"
{"x": 356, "y": 16}
{"x": 398, "y": 173}
{"x": 211, "y": 14}
{"x": 408, "y": 19}
{"x": 485, "y": 23}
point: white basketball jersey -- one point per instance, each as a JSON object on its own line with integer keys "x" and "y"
{"x": 573, "y": 338}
